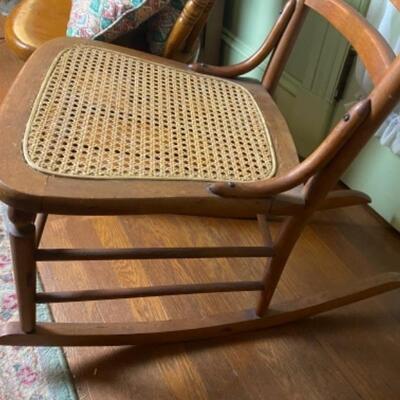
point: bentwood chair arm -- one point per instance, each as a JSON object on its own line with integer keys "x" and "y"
{"x": 375, "y": 53}
{"x": 377, "y": 57}
{"x": 258, "y": 57}
{"x": 325, "y": 152}
{"x": 369, "y": 42}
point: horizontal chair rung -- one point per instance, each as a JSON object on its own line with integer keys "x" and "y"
{"x": 151, "y": 253}
{"x": 113, "y": 294}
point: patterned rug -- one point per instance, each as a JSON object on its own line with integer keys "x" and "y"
{"x": 28, "y": 373}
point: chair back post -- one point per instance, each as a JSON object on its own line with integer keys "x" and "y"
{"x": 282, "y": 52}
{"x": 193, "y": 15}
{"x": 191, "y": 41}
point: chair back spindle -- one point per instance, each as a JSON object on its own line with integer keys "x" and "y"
{"x": 185, "y": 32}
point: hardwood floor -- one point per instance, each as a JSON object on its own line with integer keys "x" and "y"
{"x": 351, "y": 353}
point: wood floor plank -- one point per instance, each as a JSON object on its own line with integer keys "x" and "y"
{"x": 364, "y": 242}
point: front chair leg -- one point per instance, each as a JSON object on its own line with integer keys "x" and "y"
{"x": 21, "y": 230}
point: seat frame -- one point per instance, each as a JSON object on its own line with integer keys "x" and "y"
{"x": 295, "y": 194}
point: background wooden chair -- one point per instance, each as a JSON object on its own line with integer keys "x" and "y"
{"x": 77, "y": 147}
{"x": 35, "y": 22}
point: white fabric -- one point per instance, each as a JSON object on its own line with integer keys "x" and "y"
{"x": 387, "y": 19}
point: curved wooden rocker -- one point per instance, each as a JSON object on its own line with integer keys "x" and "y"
{"x": 295, "y": 193}
{"x": 139, "y": 333}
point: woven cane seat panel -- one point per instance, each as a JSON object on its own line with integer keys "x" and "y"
{"x": 107, "y": 115}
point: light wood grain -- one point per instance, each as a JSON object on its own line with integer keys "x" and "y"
{"x": 34, "y": 22}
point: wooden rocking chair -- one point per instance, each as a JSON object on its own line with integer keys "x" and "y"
{"x": 93, "y": 129}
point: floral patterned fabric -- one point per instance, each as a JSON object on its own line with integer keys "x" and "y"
{"x": 28, "y": 373}
{"x": 106, "y": 20}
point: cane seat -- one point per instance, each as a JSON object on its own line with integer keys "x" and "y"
{"x": 102, "y": 114}
{"x": 93, "y": 116}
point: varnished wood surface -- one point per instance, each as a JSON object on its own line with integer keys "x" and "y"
{"x": 256, "y": 59}
{"x": 188, "y": 330}
{"x": 10, "y": 64}
{"x": 350, "y": 353}
{"x": 33, "y": 22}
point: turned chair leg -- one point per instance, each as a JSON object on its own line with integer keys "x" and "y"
{"x": 288, "y": 235}
{"x": 21, "y": 230}
{"x": 40, "y": 223}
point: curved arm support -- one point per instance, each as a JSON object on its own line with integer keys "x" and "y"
{"x": 257, "y": 58}
{"x": 305, "y": 170}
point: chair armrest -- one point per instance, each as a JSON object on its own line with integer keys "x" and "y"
{"x": 258, "y": 57}
{"x": 325, "y": 152}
